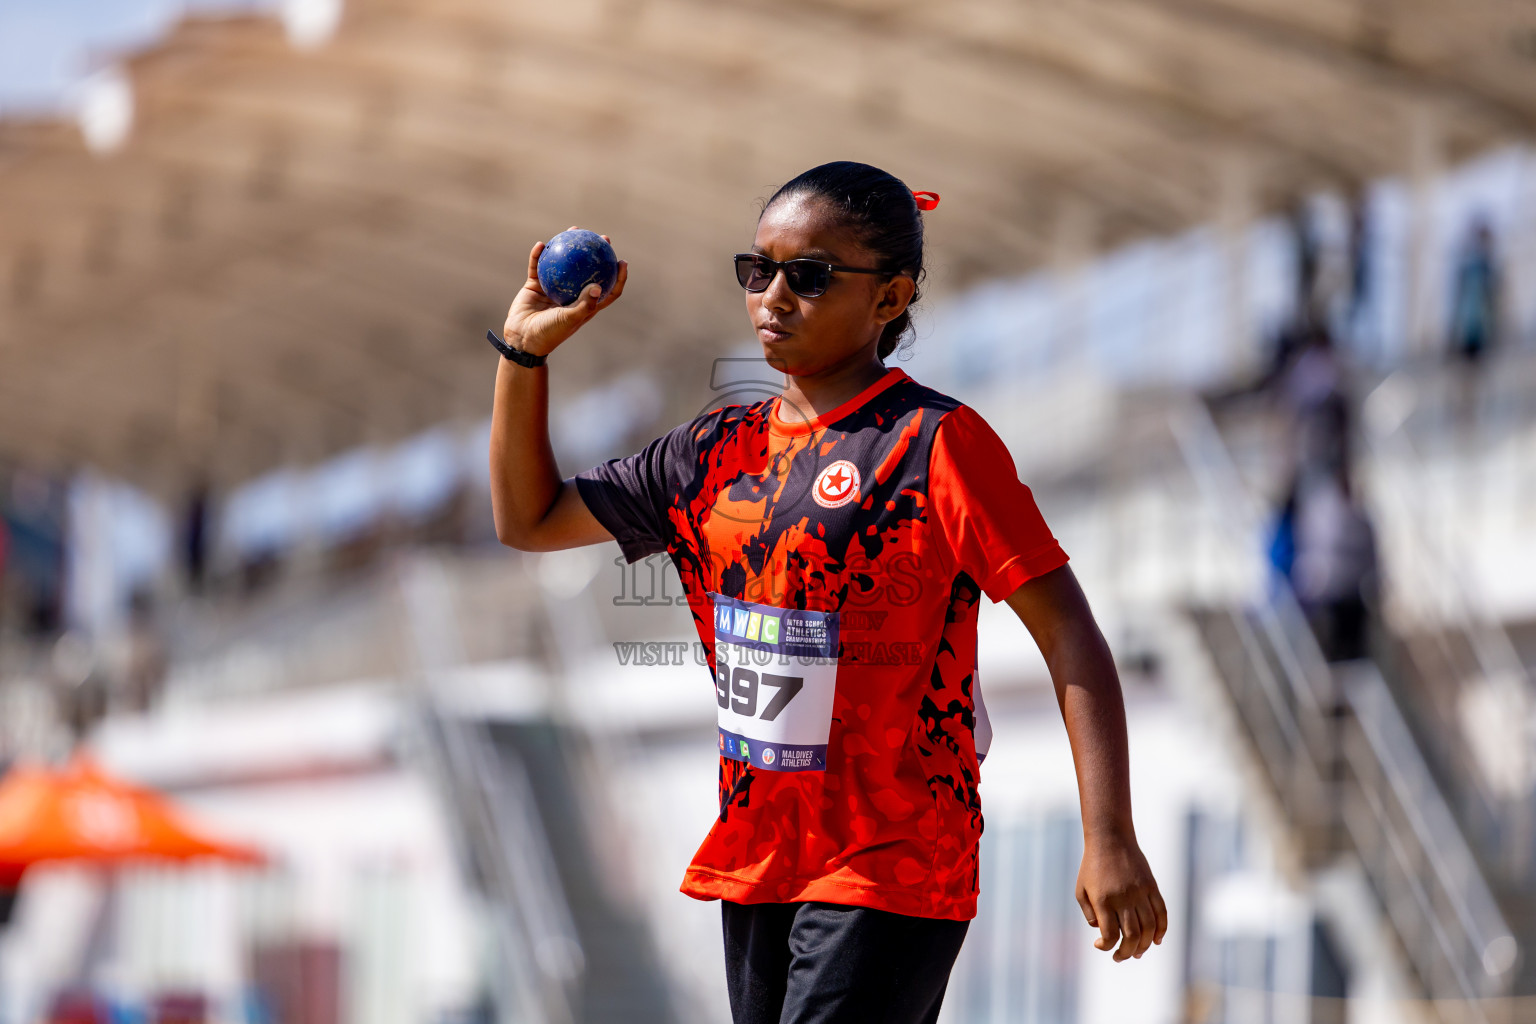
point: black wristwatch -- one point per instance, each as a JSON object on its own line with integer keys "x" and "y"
{"x": 518, "y": 356}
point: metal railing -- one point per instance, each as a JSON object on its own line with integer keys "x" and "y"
{"x": 1282, "y": 693}
{"x": 1449, "y": 638}
{"x": 502, "y": 838}
{"x": 1298, "y": 762}
{"x": 1356, "y": 765}
{"x": 1429, "y": 882}
{"x": 501, "y": 833}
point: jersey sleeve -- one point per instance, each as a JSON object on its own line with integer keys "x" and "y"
{"x": 986, "y": 518}
{"x": 631, "y": 496}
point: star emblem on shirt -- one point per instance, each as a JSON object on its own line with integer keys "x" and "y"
{"x": 837, "y": 484}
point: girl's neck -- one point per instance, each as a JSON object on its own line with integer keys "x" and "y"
{"x": 822, "y": 392}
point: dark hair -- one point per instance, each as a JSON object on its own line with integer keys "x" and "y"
{"x": 881, "y": 210}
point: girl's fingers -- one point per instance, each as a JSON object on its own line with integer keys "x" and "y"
{"x": 1130, "y": 932}
{"x": 618, "y": 286}
{"x": 1160, "y": 911}
{"x": 533, "y": 261}
{"x": 1086, "y": 908}
{"x": 569, "y": 318}
{"x": 1109, "y": 928}
{"x": 1148, "y": 927}
{"x": 587, "y": 305}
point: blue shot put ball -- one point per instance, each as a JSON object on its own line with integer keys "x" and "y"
{"x": 574, "y": 259}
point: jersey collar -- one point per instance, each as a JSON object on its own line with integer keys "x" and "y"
{"x": 795, "y": 425}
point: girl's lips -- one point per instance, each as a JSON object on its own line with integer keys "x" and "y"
{"x": 772, "y": 334}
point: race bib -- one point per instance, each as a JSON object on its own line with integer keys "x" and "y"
{"x": 775, "y": 675}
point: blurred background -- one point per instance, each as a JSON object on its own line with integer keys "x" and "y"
{"x": 1248, "y": 287}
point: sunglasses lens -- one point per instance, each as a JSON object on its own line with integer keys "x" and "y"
{"x": 807, "y": 278}
{"x": 753, "y": 272}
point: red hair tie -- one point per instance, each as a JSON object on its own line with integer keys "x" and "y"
{"x": 925, "y": 200}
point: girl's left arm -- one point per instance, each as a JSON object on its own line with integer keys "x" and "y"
{"x": 1115, "y": 887}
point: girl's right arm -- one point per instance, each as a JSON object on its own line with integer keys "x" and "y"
{"x": 535, "y": 509}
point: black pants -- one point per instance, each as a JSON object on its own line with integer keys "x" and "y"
{"x": 821, "y": 963}
{"x": 1341, "y": 628}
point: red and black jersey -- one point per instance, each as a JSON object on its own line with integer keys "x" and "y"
{"x": 833, "y": 570}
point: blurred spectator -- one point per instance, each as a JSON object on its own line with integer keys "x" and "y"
{"x": 1475, "y": 309}
{"x": 80, "y": 684}
{"x": 1308, "y": 259}
{"x": 1335, "y": 569}
{"x": 1312, "y": 393}
{"x": 1474, "y": 312}
{"x": 195, "y": 536}
{"x": 1282, "y": 536}
{"x": 5, "y": 543}
{"x": 144, "y": 658}
{"x": 35, "y": 516}
{"x": 1360, "y": 271}
{"x": 1289, "y": 342}
{"x": 1322, "y": 540}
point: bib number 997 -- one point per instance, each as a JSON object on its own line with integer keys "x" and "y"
{"x": 737, "y": 689}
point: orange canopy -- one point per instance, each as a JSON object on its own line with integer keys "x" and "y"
{"x": 80, "y": 813}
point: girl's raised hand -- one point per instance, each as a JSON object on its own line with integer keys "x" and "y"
{"x": 537, "y": 325}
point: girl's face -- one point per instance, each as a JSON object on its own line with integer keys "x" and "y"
{"x": 804, "y": 337}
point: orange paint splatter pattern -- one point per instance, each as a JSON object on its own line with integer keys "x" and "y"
{"x": 894, "y": 821}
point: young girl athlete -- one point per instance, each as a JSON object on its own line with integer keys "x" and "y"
{"x": 834, "y": 543}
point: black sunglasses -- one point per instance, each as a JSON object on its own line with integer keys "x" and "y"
{"x": 806, "y": 278}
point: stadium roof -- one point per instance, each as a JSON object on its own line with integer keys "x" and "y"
{"x": 297, "y": 248}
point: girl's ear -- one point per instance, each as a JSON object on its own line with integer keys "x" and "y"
{"x": 895, "y": 297}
